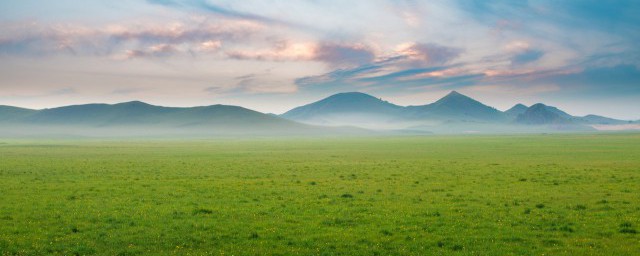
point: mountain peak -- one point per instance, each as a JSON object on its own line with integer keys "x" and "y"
{"x": 455, "y": 97}
{"x": 351, "y": 95}
{"x": 517, "y": 108}
{"x": 538, "y": 105}
{"x": 454, "y": 93}
{"x": 134, "y": 103}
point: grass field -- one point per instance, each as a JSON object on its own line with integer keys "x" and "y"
{"x": 467, "y": 195}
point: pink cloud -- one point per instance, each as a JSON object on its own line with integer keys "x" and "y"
{"x": 429, "y": 54}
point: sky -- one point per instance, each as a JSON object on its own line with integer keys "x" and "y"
{"x": 273, "y": 55}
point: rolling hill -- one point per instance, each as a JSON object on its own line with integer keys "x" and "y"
{"x": 540, "y": 114}
{"x": 138, "y": 118}
{"x": 9, "y": 113}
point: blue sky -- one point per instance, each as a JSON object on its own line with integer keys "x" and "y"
{"x": 273, "y": 55}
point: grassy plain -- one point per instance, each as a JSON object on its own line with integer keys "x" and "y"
{"x": 447, "y": 195}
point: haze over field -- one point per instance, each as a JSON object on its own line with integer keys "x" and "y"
{"x": 341, "y": 114}
{"x": 272, "y": 56}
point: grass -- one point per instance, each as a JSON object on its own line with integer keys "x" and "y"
{"x": 452, "y": 195}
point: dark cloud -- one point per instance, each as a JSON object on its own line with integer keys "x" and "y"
{"x": 184, "y": 33}
{"x": 430, "y": 54}
{"x": 31, "y": 39}
{"x": 415, "y": 65}
{"x": 527, "y": 56}
{"x": 162, "y": 50}
{"x": 375, "y": 76}
{"x": 208, "y": 7}
{"x": 344, "y": 54}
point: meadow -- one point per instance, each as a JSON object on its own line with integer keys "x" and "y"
{"x": 541, "y": 194}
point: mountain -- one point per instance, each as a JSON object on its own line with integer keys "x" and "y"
{"x": 540, "y": 114}
{"x": 344, "y": 113}
{"x": 515, "y": 111}
{"x": 457, "y": 107}
{"x": 454, "y": 113}
{"x": 543, "y": 114}
{"x": 344, "y": 109}
{"x": 595, "y": 119}
{"x": 139, "y": 118}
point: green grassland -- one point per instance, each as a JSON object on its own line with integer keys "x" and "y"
{"x": 444, "y": 195}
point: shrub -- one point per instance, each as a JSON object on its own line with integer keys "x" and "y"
{"x": 627, "y": 228}
{"x": 202, "y": 211}
{"x": 346, "y": 196}
{"x": 386, "y": 232}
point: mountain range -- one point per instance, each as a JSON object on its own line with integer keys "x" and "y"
{"x": 453, "y": 112}
{"x": 343, "y": 113}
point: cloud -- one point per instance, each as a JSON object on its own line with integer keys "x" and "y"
{"x": 254, "y": 83}
{"x": 381, "y": 76}
{"x": 410, "y": 65}
{"x": 210, "y": 8}
{"x": 428, "y": 54}
{"x": 133, "y": 40}
{"x": 334, "y": 54}
{"x": 159, "y": 50}
{"x": 30, "y": 38}
{"x": 344, "y": 54}
{"x": 280, "y": 51}
{"x": 527, "y": 56}
{"x": 210, "y": 45}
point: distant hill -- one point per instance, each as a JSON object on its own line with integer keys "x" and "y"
{"x": 343, "y": 113}
{"x": 453, "y": 113}
{"x": 540, "y": 114}
{"x": 595, "y": 119}
{"x": 363, "y": 110}
{"x": 9, "y": 113}
{"x": 457, "y": 107}
{"x": 351, "y": 108}
{"x": 139, "y": 118}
